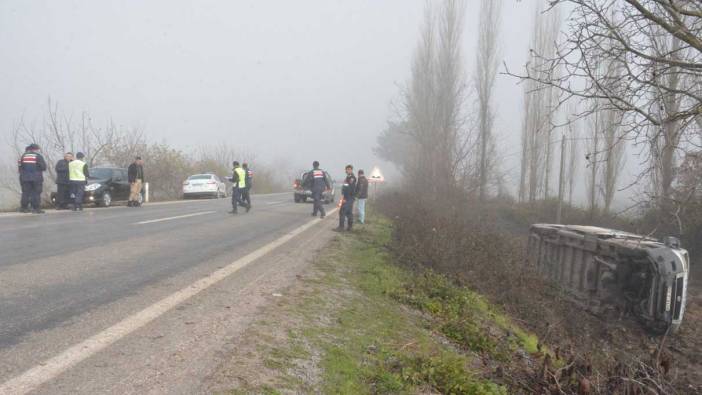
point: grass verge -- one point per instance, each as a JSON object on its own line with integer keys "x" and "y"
{"x": 358, "y": 324}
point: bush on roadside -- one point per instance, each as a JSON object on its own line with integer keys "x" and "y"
{"x": 482, "y": 247}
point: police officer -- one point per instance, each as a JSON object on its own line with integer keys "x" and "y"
{"x": 317, "y": 180}
{"x": 246, "y": 196}
{"x": 238, "y": 187}
{"x": 31, "y": 167}
{"x": 78, "y": 177}
{"x": 63, "y": 189}
{"x": 348, "y": 192}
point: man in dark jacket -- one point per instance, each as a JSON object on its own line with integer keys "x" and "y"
{"x": 348, "y": 191}
{"x": 361, "y": 196}
{"x": 317, "y": 180}
{"x": 31, "y": 166}
{"x": 246, "y": 193}
{"x": 135, "y": 176}
{"x": 63, "y": 188}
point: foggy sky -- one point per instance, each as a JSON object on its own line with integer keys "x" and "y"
{"x": 291, "y": 81}
{"x": 298, "y": 80}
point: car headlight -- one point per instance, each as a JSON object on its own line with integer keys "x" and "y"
{"x": 92, "y": 187}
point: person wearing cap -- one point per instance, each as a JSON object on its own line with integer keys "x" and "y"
{"x": 238, "y": 180}
{"x": 31, "y": 166}
{"x": 317, "y": 181}
{"x": 78, "y": 177}
{"x": 348, "y": 192}
{"x": 135, "y": 176}
{"x": 63, "y": 186}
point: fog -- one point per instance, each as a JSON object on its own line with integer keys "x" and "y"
{"x": 289, "y": 81}
{"x": 293, "y": 80}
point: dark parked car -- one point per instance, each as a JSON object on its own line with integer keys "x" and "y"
{"x": 105, "y": 186}
{"x": 301, "y": 194}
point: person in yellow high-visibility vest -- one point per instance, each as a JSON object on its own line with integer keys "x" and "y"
{"x": 238, "y": 188}
{"x": 78, "y": 177}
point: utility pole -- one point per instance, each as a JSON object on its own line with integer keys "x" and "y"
{"x": 559, "y": 212}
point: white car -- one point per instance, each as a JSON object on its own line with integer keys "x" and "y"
{"x": 201, "y": 185}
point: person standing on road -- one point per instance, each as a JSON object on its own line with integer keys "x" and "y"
{"x": 238, "y": 188}
{"x": 78, "y": 177}
{"x": 135, "y": 176}
{"x": 348, "y": 192}
{"x": 31, "y": 166}
{"x": 361, "y": 196}
{"x": 246, "y": 196}
{"x": 63, "y": 187}
{"x": 317, "y": 180}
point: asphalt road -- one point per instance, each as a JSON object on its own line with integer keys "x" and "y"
{"x": 66, "y": 276}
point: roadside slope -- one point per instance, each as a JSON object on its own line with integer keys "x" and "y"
{"x": 356, "y": 323}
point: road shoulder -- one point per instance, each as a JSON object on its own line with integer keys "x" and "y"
{"x": 343, "y": 327}
{"x": 175, "y": 352}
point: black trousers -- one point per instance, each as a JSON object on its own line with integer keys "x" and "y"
{"x": 78, "y": 190}
{"x": 317, "y": 205}
{"x": 63, "y": 195}
{"x": 246, "y": 196}
{"x": 237, "y": 199}
{"x": 31, "y": 194}
{"x": 346, "y": 213}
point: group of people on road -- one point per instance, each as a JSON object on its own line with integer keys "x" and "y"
{"x": 71, "y": 178}
{"x": 242, "y": 181}
{"x": 353, "y": 189}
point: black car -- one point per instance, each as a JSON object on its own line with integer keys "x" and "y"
{"x": 105, "y": 185}
{"x": 301, "y": 194}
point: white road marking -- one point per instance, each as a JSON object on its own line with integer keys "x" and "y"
{"x": 160, "y": 203}
{"x": 31, "y": 379}
{"x": 151, "y": 221}
{"x": 276, "y": 202}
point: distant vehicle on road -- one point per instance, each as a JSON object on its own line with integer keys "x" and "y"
{"x": 105, "y": 186}
{"x": 301, "y": 193}
{"x": 204, "y": 185}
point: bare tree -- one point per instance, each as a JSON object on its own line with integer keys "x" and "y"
{"x": 573, "y": 146}
{"x": 539, "y": 105}
{"x": 58, "y": 133}
{"x": 450, "y": 93}
{"x": 657, "y": 45}
{"x": 166, "y": 167}
{"x": 432, "y": 124}
{"x": 664, "y": 141}
{"x": 614, "y": 147}
{"x": 484, "y": 80}
{"x": 613, "y": 143}
{"x": 593, "y": 158}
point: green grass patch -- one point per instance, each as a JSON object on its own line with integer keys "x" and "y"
{"x": 373, "y": 326}
{"x": 380, "y": 347}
